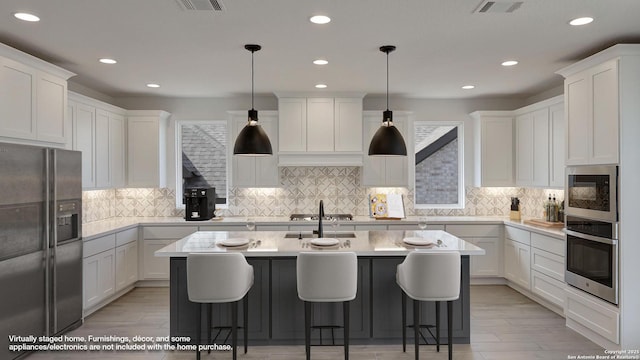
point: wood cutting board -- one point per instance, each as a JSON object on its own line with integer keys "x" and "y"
{"x": 544, "y": 223}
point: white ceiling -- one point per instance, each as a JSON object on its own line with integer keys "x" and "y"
{"x": 442, "y": 44}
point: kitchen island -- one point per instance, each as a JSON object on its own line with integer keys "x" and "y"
{"x": 276, "y": 315}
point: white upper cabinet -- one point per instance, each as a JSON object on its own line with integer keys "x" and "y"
{"x": 493, "y": 148}
{"x": 557, "y": 145}
{"x": 317, "y": 131}
{"x": 99, "y": 133}
{"x": 385, "y": 170}
{"x": 146, "y": 148}
{"x": 292, "y": 115}
{"x": 84, "y": 137}
{"x": 255, "y": 171}
{"x": 103, "y": 165}
{"x": 348, "y": 124}
{"x": 51, "y": 107}
{"x": 539, "y": 143}
{"x": 117, "y": 149}
{"x": 591, "y": 98}
{"x": 33, "y": 100}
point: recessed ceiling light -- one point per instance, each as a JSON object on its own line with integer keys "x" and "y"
{"x": 509, "y": 63}
{"x": 581, "y": 21}
{"x": 320, "y": 19}
{"x": 469, "y": 87}
{"x": 320, "y": 62}
{"x": 26, "y": 17}
{"x": 107, "y": 61}
{"x": 321, "y": 86}
{"x": 152, "y": 85}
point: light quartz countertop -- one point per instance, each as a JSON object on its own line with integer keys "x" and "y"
{"x": 97, "y": 229}
{"x": 274, "y": 243}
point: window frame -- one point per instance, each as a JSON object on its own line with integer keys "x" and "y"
{"x": 460, "y": 204}
{"x": 178, "y": 157}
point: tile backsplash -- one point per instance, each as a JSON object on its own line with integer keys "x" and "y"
{"x": 301, "y": 190}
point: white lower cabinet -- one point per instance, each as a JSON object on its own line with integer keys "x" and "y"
{"x": 517, "y": 263}
{"x": 110, "y": 264}
{"x": 155, "y": 268}
{"x": 98, "y": 277}
{"x": 547, "y": 263}
{"x": 155, "y": 238}
{"x": 548, "y": 288}
{"x": 594, "y": 318}
{"x": 126, "y": 265}
{"x": 536, "y": 263}
{"x": 488, "y": 237}
{"x": 489, "y": 264}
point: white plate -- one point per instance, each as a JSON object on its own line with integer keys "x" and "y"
{"x": 325, "y": 241}
{"x": 233, "y": 242}
{"x": 418, "y": 241}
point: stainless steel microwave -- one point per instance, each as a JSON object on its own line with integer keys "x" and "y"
{"x": 592, "y": 192}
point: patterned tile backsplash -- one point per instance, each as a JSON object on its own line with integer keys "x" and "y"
{"x": 301, "y": 190}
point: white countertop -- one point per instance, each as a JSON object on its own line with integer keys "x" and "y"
{"x": 104, "y": 227}
{"x": 274, "y": 244}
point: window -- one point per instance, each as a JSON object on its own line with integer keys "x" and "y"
{"x": 201, "y": 157}
{"x": 439, "y": 177}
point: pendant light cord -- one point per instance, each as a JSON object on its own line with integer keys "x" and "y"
{"x": 252, "y": 80}
{"x": 387, "y": 80}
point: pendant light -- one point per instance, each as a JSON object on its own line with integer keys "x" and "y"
{"x": 387, "y": 140}
{"x": 252, "y": 140}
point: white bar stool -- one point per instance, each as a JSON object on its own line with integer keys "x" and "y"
{"x": 326, "y": 277}
{"x": 429, "y": 276}
{"x": 219, "y": 278}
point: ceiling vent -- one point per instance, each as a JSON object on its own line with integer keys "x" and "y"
{"x": 499, "y": 7}
{"x": 201, "y": 5}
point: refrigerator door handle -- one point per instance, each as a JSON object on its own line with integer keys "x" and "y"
{"x": 54, "y": 236}
{"x": 47, "y": 241}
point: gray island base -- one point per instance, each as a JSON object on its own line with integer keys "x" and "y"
{"x": 276, "y": 314}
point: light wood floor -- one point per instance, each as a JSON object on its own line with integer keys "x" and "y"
{"x": 504, "y": 325}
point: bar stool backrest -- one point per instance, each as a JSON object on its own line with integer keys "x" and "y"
{"x": 327, "y": 276}
{"x": 218, "y": 277}
{"x": 430, "y": 275}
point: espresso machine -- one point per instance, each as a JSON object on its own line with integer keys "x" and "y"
{"x": 200, "y": 203}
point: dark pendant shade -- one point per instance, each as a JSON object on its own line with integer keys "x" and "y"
{"x": 387, "y": 141}
{"x": 252, "y": 140}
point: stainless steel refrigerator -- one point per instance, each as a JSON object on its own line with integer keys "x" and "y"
{"x": 40, "y": 242}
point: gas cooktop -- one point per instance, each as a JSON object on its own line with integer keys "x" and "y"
{"x": 314, "y": 217}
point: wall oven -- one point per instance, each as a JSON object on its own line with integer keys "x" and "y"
{"x": 592, "y": 257}
{"x": 592, "y": 192}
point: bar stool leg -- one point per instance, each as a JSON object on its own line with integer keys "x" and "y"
{"x": 307, "y": 329}
{"x": 198, "y": 330}
{"x": 234, "y": 328}
{"x": 404, "y": 321}
{"x": 209, "y": 338}
{"x": 416, "y": 327}
{"x": 246, "y": 322}
{"x": 438, "y": 326}
{"x": 450, "y": 327}
{"x": 345, "y": 310}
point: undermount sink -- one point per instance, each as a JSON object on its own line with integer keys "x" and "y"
{"x": 307, "y": 235}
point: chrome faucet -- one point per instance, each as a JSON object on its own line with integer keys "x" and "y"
{"x": 320, "y": 216}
